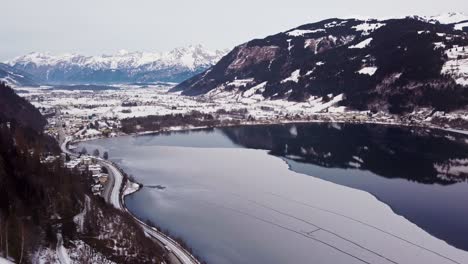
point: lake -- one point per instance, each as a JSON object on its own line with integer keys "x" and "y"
{"x": 298, "y": 193}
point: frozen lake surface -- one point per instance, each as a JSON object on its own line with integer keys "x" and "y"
{"x": 231, "y": 194}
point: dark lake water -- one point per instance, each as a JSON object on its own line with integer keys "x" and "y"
{"x": 421, "y": 174}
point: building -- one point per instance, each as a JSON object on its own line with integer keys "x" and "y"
{"x": 94, "y": 169}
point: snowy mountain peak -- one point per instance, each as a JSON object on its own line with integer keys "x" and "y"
{"x": 123, "y": 66}
{"x": 189, "y": 57}
{"x": 448, "y": 18}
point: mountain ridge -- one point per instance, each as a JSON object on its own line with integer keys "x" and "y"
{"x": 123, "y": 66}
{"x": 15, "y": 77}
{"x": 396, "y": 65}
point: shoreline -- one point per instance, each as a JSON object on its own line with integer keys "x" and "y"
{"x": 175, "y": 248}
{"x": 282, "y": 122}
{"x": 421, "y": 246}
{"x": 123, "y": 188}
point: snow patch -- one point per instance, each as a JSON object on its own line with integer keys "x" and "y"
{"x": 253, "y": 90}
{"x": 461, "y": 26}
{"x": 457, "y": 64}
{"x": 367, "y": 28}
{"x": 130, "y": 187}
{"x": 294, "y": 77}
{"x": 368, "y": 70}
{"x": 79, "y": 219}
{"x": 362, "y": 44}
{"x": 448, "y": 18}
{"x": 5, "y": 261}
{"x": 302, "y": 32}
{"x": 240, "y": 82}
{"x": 335, "y": 24}
{"x": 62, "y": 253}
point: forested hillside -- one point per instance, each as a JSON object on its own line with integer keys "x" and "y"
{"x": 45, "y": 207}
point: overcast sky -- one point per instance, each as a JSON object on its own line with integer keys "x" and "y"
{"x": 105, "y": 26}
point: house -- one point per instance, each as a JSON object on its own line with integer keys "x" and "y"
{"x": 94, "y": 169}
{"x": 96, "y": 188}
{"x": 73, "y": 163}
{"x": 103, "y": 178}
{"x": 86, "y": 160}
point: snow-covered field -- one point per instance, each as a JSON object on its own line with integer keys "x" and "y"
{"x": 156, "y": 100}
{"x": 457, "y": 64}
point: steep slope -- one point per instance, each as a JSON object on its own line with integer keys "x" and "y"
{"x": 16, "y": 109}
{"x": 393, "y": 65}
{"x": 15, "y": 77}
{"x": 174, "y": 66}
{"x": 47, "y": 212}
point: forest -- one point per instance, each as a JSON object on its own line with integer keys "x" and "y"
{"x": 42, "y": 202}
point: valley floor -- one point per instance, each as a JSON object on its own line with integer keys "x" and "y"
{"x": 90, "y": 114}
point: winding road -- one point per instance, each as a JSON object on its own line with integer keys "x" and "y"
{"x": 112, "y": 195}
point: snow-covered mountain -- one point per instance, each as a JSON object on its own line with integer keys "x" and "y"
{"x": 174, "y": 66}
{"x": 395, "y": 65}
{"x": 448, "y": 18}
{"x": 15, "y": 77}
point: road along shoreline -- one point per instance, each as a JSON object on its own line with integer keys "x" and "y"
{"x": 115, "y": 196}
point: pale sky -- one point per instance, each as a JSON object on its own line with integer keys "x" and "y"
{"x": 94, "y": 27}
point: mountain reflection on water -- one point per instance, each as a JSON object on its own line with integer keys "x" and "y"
{"x": 424, "y": 156}
{"x": 421, "y": 174}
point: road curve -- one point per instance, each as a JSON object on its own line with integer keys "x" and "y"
{"x": 112, "y": 196}
{"x": 111, "y": 192}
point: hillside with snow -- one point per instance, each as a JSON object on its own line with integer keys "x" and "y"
{"x": 14, "y": 77}
{"x": 122, "y": 67}
{"x": 394, "y": 65}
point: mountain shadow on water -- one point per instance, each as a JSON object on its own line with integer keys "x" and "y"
{"x": 414, "y": 154}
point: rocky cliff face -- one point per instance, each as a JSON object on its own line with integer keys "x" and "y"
{"x": 394, "y": 65}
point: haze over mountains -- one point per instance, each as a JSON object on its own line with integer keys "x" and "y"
{"x": 123, "y": 67}
{"x": 394, "y": 64}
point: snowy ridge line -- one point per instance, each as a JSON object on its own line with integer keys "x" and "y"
{"x": 366, "y": 224}
{"x": 191, "y": 57}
